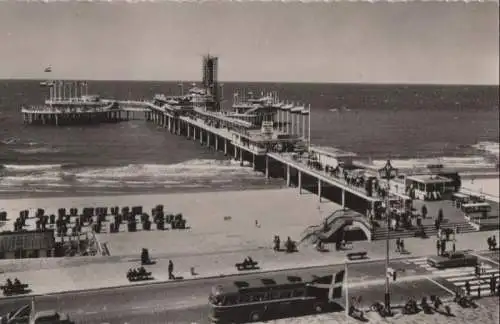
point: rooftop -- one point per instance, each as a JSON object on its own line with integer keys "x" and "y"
{"x": 428, "y": 178}
{"x": 332, "y": 151}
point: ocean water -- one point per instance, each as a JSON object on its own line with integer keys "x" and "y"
{"x": 409, "y": 124}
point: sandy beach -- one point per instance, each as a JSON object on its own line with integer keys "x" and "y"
{"x": 218, "y": 221}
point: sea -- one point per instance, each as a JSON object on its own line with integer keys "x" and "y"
{"x": 409, "y": 124}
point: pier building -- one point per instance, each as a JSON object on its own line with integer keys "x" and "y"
{"x": 69, "y": 103}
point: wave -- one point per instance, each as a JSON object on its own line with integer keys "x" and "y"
{"x": 38, "y": 150}
{"x": 197, "y": 172}
{"x": 32, "y": 167}
{"x": 489, "y": 147}
{"x": 10, "y": 140}
{"x": 197, "y": 168}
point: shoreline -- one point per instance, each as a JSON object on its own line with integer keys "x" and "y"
{"x": 16, "y": 195}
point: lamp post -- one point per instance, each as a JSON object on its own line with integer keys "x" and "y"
{"x": 386, "y": 174}
{"x": 346, "y": 284}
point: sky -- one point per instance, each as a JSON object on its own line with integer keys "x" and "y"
{"x": 351, "y": 42}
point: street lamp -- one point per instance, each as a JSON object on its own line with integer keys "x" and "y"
{"x": 386, "y": 174}
{"x": 346, "y": 285}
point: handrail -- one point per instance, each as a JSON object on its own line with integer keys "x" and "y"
{"x": 341, "y": 214}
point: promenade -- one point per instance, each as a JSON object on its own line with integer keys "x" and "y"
{"x": 486, "y": 313}
{"x": 52, "y": 275}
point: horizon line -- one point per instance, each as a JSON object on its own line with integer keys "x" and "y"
{"x": 274, "y": 82}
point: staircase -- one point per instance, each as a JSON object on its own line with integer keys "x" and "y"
{"x": 380, "y": 233}
{"x": 334, "y": 223}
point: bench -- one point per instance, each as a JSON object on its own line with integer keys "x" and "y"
{"x": 356, "y": 255}
{"x": 19, "y": 289}
{"x": 139, "y": 277}
{"x": 246, "y": 266}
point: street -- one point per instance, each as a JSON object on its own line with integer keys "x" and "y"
{"x": 186, "y": 301}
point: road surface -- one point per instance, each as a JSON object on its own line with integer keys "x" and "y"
{"x": 186, "y": 301}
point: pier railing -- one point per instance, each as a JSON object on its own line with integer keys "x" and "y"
{"x": 302, "y": 160}
{"x": 58, "y": 110}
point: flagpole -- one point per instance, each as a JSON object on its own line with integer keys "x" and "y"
{"x": 346, "y": 292}
{"x": 309, "y": 128}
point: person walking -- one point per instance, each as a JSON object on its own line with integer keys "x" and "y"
{"x": 170, "y": 270}
{"x": 398, "y": 244}
{"x": 467, "y": 287}
{"x": 438, "y": 246}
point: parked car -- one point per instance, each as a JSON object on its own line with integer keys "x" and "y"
{"x": 452, "y": 259}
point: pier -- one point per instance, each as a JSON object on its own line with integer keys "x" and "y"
{"x": 271, "y": 135}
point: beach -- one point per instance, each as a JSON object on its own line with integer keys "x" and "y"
{"x": 218, "y": 221}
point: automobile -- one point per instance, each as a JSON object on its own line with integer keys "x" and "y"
{"x": 22, "y": 316}
{"x": 452, "y": 259}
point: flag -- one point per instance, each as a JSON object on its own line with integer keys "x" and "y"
{"x": 336, "y": 286}
{"x": 48, "y": 69}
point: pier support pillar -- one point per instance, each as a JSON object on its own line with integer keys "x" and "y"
{"x": 169, "y": 124}
{"x": 216, "y": 140}
{"x": 343, "y": 198}
{"x": 267, "y": 167}
{"x": 253, "y": 162}
{"x": 201, "y": 136}
{"x": 319, "y": 189}
{"x": 235, "y": 153}
{"x": 208, "y": 139}
{"x": 194, "y": 131}
{"x": 57, "y": 120}
{"x": 225, "y": 146}
{"x": 188, "y": 131}
{"x": 241, "y": 157}
{"x": 300, "y": 182}
{"x": 178, "y": 127}
{"x": 288, "y": 175}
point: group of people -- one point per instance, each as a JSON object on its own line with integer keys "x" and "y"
{"x": 400, "y": 245}
{"x": 290, "y": 245}
{"x": 494, "y": 286}
{"x": 441, "y": 246}
{"x": 10, "y": 285}
{"x": 248, "y": 261}
{"x": 141, "y": 271}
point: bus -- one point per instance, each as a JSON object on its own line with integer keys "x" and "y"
{"x": 472, "y": 209}
{"x": 256, "y": 299}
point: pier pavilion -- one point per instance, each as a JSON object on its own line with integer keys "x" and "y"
{"x": 70, "y": 104}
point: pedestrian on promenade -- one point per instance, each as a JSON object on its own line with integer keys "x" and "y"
{"x": 479, "y": 291}
{"x": 467, "y": 287}
{"x": 443, "y": 246}
{"x": 438, "y": 246}
{"x": 492, "y": 285}
{"x": 402, "y": 245}
{"x": 170, "y": 270}
{"x": 397, "y": 245}
{"x": 477, "y": 270}
{"x": 454, "y": 248}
